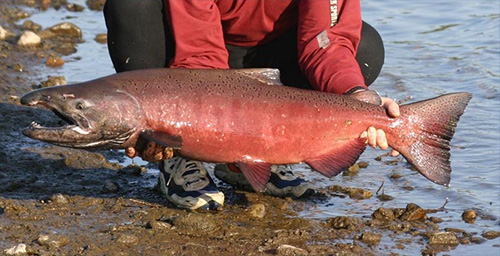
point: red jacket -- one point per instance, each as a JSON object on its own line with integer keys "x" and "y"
{"x": 201, "y": 28}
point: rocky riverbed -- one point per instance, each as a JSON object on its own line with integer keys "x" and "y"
{"x": 58, "y": 201}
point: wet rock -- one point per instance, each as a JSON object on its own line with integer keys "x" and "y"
{"x": 351, "y": 171}
{"x": 289, "y": 250}
{"x": 19, "y": 249}
{"x": 395, "y": 176}
{"x": 344, "y": 222}
{"x": 128, "y": 239}
{"x": 383, "y": 214}
{"x": 455, "y": 230}
{"x": 354, "y": 193}
{"x": 4, "y": 33}
{"x": 65, "y": 29}
{"x": 72, "y": 7}
{"x": 371, "y": 238}
{"x": 29, "y": 38}
{"x": 477, "y": 240}
{"x": 18, "y": 67}
{"x": 133, "y": 169}
{"x": 59, "y": 199}
{"x": 469, "y": 216}
{"x": 52, "y": 241}
{"x": 101, "y": 38}
{"x": 443, "y": 238}
{"x": 95, "y": 5}
{"x": 491, "y": 234}
{"x": 413, "y": 212}
{"x": 385, "y": 197}
{"x": 257, "y": 211}
{"x": 195, "y": 222}
{"x": 51, "y": 81}
{"x": 110, "y": 187}
{"x": 435, "y": 219}
{"x": 32, "y": 26}
{"x": 54, "y": 61}
{"x": 159, "y": 225}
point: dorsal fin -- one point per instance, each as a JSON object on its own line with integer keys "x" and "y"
{"x": 270, "y": 76}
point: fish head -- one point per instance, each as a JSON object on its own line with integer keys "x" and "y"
{"x": 98, "y": 116}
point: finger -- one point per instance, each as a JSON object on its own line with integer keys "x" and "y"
{"x": 391, "y": 106}
{"x": 158, "y": 156}
{"x": 131, "y": 152}
{"x": 372, "y": 136}
{"x": 381, "y": 140}
{"x": 149, "y": 152}
{"x": 394, "y": 153}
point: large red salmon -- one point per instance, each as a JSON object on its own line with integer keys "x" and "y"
{"x": 239, "y": 116}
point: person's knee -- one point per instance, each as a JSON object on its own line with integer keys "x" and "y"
{"x": 130, "y": 9}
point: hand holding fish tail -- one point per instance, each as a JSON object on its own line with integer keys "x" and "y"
{"x": 376, "y": 137}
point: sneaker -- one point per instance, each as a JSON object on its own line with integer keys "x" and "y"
{"x": 282, "y": 182}
{"x": 187, "y": 184}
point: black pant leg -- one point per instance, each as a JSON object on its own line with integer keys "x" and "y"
{"x": 136, "y": 34}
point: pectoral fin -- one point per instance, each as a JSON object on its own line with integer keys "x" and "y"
{"x": 339, "y": 159}
{"x": 161, "y": 138}
{"x": 257, "y": 174}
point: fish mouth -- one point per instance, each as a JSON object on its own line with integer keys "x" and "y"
{"x": 76, "y": 123}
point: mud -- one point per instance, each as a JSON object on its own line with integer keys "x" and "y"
{"x": 59, "y": 201}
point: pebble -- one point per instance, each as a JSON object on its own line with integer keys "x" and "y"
{"x": 16, "y": 250}
{"x": 413, "y": 212}
{"x": 30, "y": 25}
{"x": 111, "y": 187}
{"x": 371, "y": 238}
{"x": 54, "y": 61}
{"x": 52, "y": 241}
{"x": 128, "y": 239}
{"x": 29, "y": 38}
{"x": 383, "y": 214}
{"x": 257, "y": 210}
{"x": 344, "y": 222}
{"x": 4, "y": 33}
{"x": 289, "y": 250}
{"x": 59, "y": 199}
{"x": 436, "y": 219}
{"x": 491, "y": 234}
{"x": 66, "y": 29}
{"x": 101, "y": 38}
{"x": 159, "y": 225}
{"x": 51, "y": 81}
{"x": 196, "y": 222}
{"x": 469, "y": 216}
{"x": 443, "y": 238}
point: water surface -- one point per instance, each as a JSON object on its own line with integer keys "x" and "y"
{"x": 432, "y": 48}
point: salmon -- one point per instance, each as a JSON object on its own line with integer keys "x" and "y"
{"x": 244, "y": 116}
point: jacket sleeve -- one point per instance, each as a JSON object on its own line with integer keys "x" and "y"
{"x": 327, "y": 50}
{"x": 197, "y": 32}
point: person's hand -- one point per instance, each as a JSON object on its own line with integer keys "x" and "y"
{"x": 150, "y": 151}
{"x": 376, "y": 137}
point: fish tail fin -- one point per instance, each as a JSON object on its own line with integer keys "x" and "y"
{"x": 427, "y": 142}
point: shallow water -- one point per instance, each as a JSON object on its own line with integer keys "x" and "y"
{"x": 432, "y": 48}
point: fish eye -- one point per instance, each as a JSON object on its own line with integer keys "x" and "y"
{"x": 80, "y": 106}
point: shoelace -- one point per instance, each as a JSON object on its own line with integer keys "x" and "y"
{"x": 192, "y": 173}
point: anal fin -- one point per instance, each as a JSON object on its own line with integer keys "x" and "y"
{"x": 339, "y": 159}
{"x": 256, "y": 173}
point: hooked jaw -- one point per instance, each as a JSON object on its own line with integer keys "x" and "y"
{"x": 73, "y": 134}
